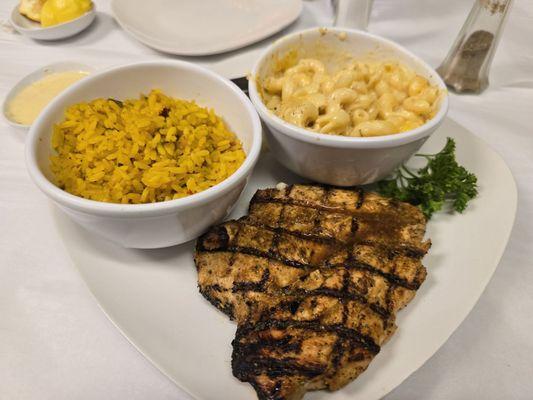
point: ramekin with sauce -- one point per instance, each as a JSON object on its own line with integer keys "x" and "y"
{"x": 31, "y": 95}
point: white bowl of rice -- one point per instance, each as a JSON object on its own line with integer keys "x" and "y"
{"x": 147, "y": 155}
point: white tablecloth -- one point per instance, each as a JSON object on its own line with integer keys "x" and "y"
{"x": 55, "y": 343}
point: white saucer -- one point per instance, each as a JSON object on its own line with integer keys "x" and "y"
{"x": 34, "y": 30}
{"x": 203, "y": 27}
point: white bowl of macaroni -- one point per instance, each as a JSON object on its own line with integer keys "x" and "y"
{"x": 345, "y": 107}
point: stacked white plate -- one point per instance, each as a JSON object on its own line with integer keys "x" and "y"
{"x": 203, "y": 27}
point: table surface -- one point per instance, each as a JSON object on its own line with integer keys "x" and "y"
{"x": 55, "y": 343}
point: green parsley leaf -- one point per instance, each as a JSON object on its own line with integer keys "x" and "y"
{"x": 441, "y": 181}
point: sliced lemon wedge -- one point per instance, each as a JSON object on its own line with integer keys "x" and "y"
{"x": 59, "y": 11}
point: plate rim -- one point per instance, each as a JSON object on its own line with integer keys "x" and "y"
{"x": 211, "y": 51}
{"x": 384, "y": 390}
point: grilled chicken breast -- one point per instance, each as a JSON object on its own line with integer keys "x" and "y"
{"x": 313, "y": 276}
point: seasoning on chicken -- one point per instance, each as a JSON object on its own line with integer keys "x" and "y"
{"x": 313, "y": 276}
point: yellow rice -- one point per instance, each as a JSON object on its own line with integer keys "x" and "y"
{"x": 155, "y": 148}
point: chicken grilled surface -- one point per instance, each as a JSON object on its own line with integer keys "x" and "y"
{"x": 313, "y": 276}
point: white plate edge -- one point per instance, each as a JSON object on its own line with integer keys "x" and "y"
{"x": 146, "y": 40}
{"x": 383, "y": 391}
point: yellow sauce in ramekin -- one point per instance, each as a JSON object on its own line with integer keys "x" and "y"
{"x": 30, "y": 101}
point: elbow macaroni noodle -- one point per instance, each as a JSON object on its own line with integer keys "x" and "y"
{"x": 361, "y": 99}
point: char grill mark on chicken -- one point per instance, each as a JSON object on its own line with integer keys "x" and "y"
{"x": 313, "y": 276}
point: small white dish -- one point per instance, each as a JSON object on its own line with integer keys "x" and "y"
{"x": 34, "y": 77}
{"x": 34, "y": 30}
{"x": 165, "y": 223}
{"x": 203, "y": 27}
{"x": 333, "y": 159}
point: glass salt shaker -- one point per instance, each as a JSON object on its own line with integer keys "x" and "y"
{"x": 466, "y": 67}
{"x": 352, "y": 13}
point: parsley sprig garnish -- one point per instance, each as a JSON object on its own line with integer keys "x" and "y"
{"x": 442, "y": 181}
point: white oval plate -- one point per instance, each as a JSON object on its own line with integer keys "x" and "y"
{"x": 33, "y": 29}
{"x": 35, "y": 76}
{"x": 203, "y": 27}
{"x": 152, "y": 296}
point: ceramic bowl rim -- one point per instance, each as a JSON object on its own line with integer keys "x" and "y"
{"x": 338, "y": 141}
{"x": 149, "y": 209}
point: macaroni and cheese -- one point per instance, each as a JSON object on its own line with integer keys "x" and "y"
{"x": 364, "y": 98}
